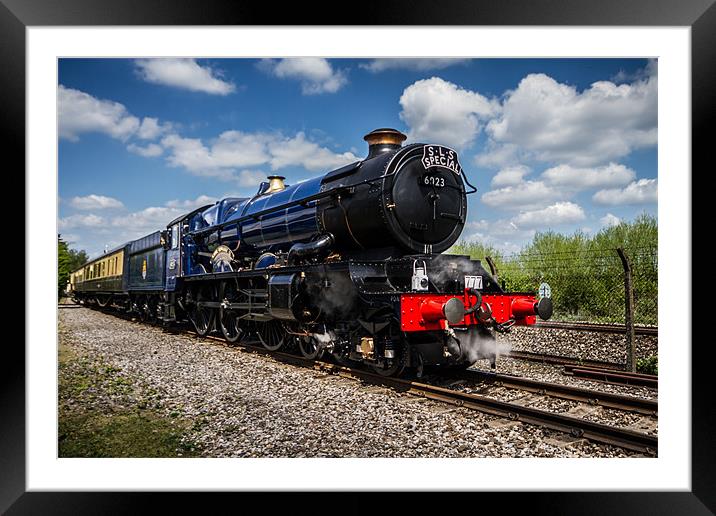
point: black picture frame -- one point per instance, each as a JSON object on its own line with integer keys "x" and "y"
{"x": 17, "y": 15}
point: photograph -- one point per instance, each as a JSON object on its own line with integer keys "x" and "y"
{"x": 358, "y": 257}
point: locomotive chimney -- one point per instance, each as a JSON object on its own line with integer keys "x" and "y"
{"x": 275, "y": 184}
{"x": 383, "y": 140}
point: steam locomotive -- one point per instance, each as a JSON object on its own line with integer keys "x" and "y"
{"x": 347, "y": 264}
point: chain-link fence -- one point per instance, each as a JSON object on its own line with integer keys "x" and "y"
{"x": 587, "y": 285}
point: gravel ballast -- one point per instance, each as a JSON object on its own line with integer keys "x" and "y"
{"x": 244, "y": 404}
{"x": 586, "y": 345}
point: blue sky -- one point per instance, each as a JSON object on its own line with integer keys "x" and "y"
{"x": 560, "y": 144}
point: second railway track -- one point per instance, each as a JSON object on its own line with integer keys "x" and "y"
{"x": 596, "y": 327}
{"x": 567, "y": 392}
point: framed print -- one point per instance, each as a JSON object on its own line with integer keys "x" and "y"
{"x": 151, "y": 133}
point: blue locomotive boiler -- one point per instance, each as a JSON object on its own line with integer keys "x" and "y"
{"x": 398, "y": 201}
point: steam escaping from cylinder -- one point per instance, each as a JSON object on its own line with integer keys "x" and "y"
{"x": 477, "y": 345}
{"x": 326, "y": 339}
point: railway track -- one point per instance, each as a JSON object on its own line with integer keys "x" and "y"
{"x": 574, "y": 426}
{"x": 563, "y": 361}
{"x": 567, "y": 392}
{"x": 613, "y": 376}
{"x": 606, "y": 372}
{"x": 597, "y": 327}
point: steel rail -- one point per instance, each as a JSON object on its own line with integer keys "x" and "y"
{"x": 568, "y": 392}
{"x": 596, "y": 327}
{"x": 562, "y": 360}
{"x": 613, "y": 376}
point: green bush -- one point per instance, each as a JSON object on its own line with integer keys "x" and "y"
{"x": 648, "y": 365}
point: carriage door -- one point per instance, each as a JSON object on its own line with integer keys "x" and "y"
{"x": 173, "y": 262}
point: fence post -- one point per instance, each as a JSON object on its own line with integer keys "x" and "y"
{"x": 628, "y": 311}
{"x": 493, "y": 267}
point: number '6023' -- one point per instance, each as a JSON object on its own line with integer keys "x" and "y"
{"x": 434, "y": 181}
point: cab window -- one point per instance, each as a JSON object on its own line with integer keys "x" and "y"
{"x": 175, "y": 236}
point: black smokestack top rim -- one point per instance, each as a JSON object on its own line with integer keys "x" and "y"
{"x": 383, "y": 139}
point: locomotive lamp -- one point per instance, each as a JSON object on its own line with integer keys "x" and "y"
{"x": 420, "y": 279}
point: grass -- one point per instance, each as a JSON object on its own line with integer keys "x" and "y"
{"x": 105, "y": 413}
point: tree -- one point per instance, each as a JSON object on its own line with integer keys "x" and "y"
{"x": 68, "y": 260}
{"x": 63, "y": 265}
{"x": 77, "y": 259}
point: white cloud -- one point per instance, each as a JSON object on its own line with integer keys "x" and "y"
{"x": 440, "y": 111}
{"x": 650, "y": 69}
{"x": 151, "y": 129}
{"x": 477, "y": 225}
{"x": 643, "y": 191}
{"x": 191, "y": 204}
{"x": 234, "y": 149}
{"x": 609, "y": 220}
{"x": 70, "y": 238}
{"x": 248, "y": 178}
{"x": 498, "y": 155}
{"x": 502, "y": 234}
{"x": 315, "y": 73}
{"x": 300, "y": 151}
{"x": 510, "y": 176}
{"x": 420, "y": 65}
{"x": 81, "y": 221}
{"x": 554, "y": 215}
{"x": 555, "y": 122}
{"x": 147, "y": 220}
{"x": 149, "y": 151}
{"x": 95, "y": 202}
{"x": 610, "y": 175}
{"x": 79, "y": 112}
{"x": 231, "y": 149}
{"x": 526, "y": 195}
{"x": 184, "y": 74}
